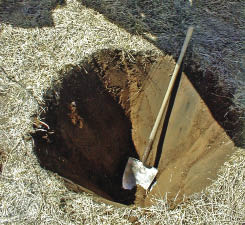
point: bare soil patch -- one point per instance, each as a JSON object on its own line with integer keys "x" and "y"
{"x": 102, "y": 112}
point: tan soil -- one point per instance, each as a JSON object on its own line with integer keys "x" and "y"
{"x": 195, "y": 145}
{"x": 101, "y": 106}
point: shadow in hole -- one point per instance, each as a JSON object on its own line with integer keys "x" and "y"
{"x": 28, "y": 13}
{"x": 89, "y": 140}
{"x": 159, "y": 18}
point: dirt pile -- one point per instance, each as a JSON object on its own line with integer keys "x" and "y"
{"x": 103, "y": 111}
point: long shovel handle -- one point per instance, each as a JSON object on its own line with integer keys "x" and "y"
{"x": 167, "y": 95}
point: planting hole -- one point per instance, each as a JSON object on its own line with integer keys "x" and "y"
{"x": 101, "y": 113}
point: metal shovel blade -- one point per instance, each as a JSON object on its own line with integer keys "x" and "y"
{"x": 136, "y": 173}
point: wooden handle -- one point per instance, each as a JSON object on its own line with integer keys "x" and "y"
{"x": 167, "y": 95}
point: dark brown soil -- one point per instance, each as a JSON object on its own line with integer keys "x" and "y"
{"x": 89, "y": 140}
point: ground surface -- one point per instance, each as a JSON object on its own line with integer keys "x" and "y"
{"x": 40, "y": 39}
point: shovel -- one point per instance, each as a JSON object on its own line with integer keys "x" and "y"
{"x": 136, "y": 171}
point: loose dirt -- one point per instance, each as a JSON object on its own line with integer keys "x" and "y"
{"x": 102, "y": 112}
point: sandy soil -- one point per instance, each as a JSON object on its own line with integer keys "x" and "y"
{"x": 194, "y": 146}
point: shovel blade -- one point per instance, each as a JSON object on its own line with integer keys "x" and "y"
{"x": 136, "y": 173}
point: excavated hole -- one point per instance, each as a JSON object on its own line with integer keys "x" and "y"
{"x": 89, "y": 138}
{"x": 92, "y": 137}
{"x": 102, "y": 112}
